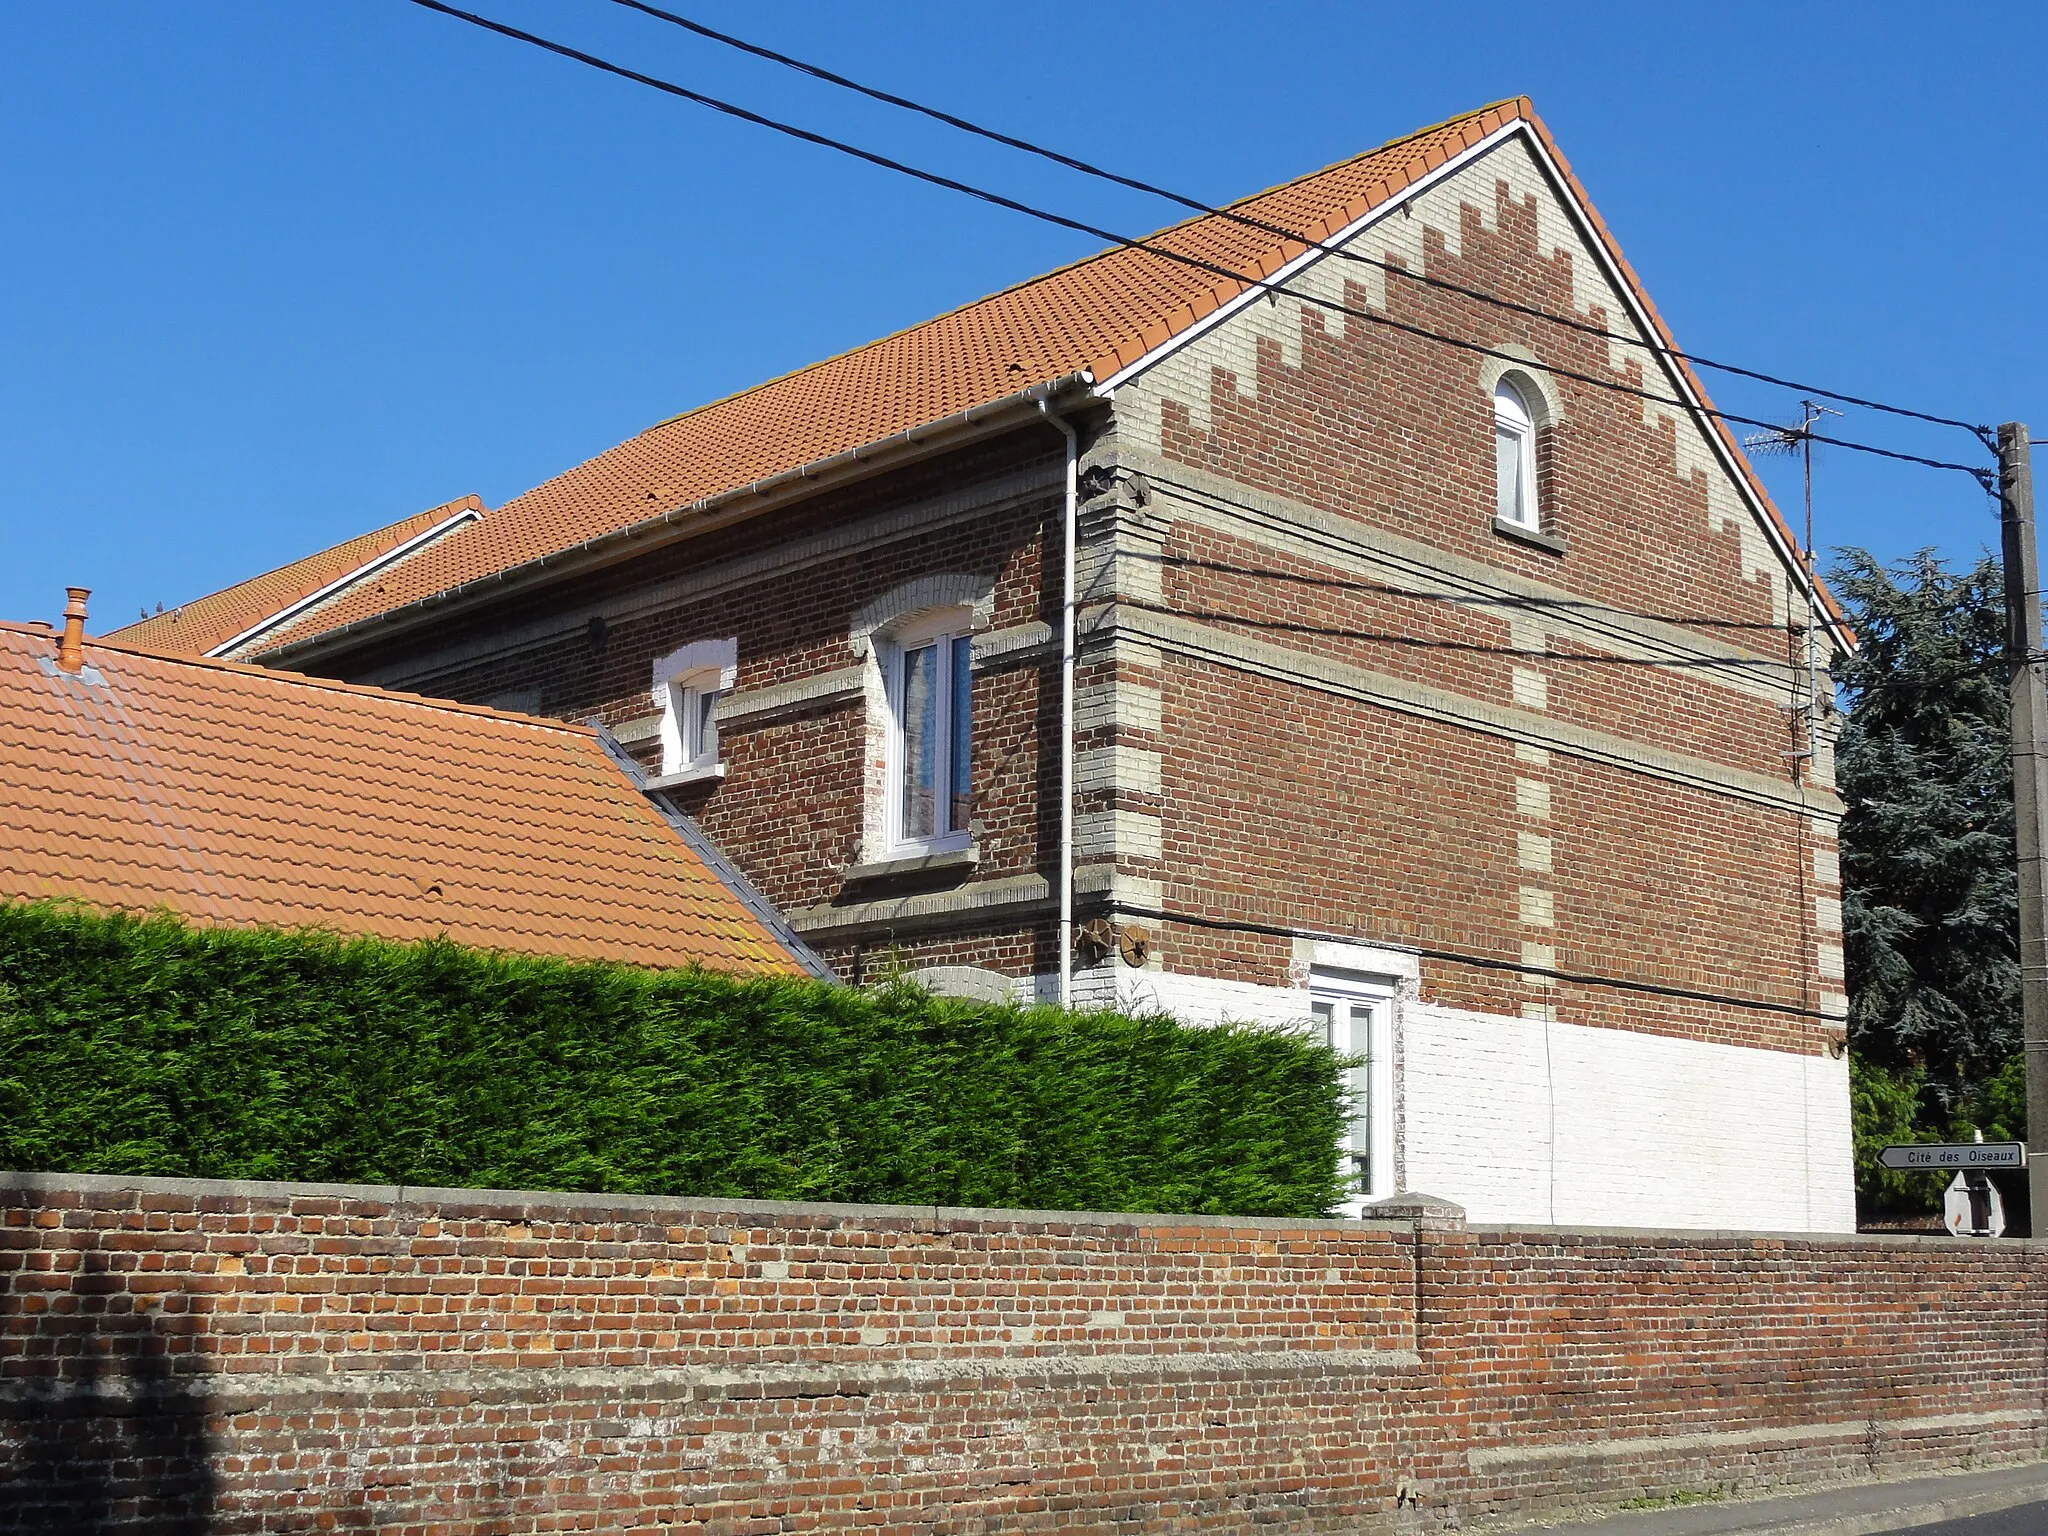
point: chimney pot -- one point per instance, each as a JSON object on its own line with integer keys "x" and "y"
{"x": 71, "y": 645}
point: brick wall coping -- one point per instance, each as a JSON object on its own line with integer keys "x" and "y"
{"x": 1537, "y": 1232}
{"x": 528, "y": 1204}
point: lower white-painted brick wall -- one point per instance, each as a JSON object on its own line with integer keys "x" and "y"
{"x": 1519, "y": 1121}
{"x": 1191, "y": 999}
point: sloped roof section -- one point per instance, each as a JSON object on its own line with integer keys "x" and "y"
{"x": 237, "y": 796}
{"x": 1092, "y": 317}
{"x": 194, "y": 628}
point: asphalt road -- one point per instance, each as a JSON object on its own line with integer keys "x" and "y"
{"x": 2022, "y": 1520}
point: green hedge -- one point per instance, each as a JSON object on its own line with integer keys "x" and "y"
{"x": 144, "y": 1046}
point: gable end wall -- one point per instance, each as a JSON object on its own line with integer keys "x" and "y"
{"x": 1378, "y": 717}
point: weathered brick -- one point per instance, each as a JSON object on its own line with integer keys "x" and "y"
{"x": 1210, "y": 1372}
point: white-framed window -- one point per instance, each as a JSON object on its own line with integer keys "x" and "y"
{"x": 1355, "y": 1014}
{"x": 689, "y": 734}
{"x": 928, "y": 675}
{"x": 1514, "y": 458}
{"x": 688, "y": 683}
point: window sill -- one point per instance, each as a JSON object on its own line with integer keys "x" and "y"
{"x": 630, "y": 733}
{"x": 1531, "y": 536}
{"x": 960, "y": 861}
{"x": 700, "y": 773}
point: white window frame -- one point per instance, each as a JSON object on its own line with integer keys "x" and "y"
{"x": 688, "y": 683}
{"x": 940, "y": 630}
{"x": 1356, "y": 1012}
{"x": 1512, "y": 416}
{"x": 689, "y": 725}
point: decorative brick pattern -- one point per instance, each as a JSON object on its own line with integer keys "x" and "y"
{"x": 210, "y": 1357}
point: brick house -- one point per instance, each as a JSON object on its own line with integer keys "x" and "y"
{"x": 1432, "y": 693}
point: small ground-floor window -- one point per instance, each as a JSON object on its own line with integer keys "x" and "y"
{"x": 1355, "y": 1014}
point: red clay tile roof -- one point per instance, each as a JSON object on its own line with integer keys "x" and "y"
{"x": 1095, "y": 316}
{"x": 238, "y": 796}
{"x": 194, "y": 628}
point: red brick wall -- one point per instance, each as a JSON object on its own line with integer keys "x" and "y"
{"x": 1652, "y": 882}
{"x": 1279, "y": 598}
{"x": 194, "y": 1356}
{"x": 1288, "y": 806}
{"x": 789, "y": 809}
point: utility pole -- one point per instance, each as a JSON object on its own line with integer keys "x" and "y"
{"x": 2029, "y": 782}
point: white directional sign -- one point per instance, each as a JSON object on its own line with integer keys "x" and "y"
{"x": 1964, "y": 1154}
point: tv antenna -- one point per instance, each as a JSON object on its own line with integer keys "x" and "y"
{"x": 1785, "y": 441}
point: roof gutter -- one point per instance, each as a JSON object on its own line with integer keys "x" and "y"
{"x": 596, "y": 551}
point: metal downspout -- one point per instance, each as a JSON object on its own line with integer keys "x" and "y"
{"x": 1067, "y": 711}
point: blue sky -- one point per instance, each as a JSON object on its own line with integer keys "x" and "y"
{"x": 271, "y": 275}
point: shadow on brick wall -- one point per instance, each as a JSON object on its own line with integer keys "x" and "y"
{"x": 103, "y": 1435}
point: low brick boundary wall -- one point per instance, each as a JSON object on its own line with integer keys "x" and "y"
{"x": 195, "y": 1356}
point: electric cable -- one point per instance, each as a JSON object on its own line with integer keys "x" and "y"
{"x": 997, "y": 199}
{"x": 1418, "y": 642}
{"x": 1480, "y": 962}
{"x": 1247, "y": 221}
{"x": 1260, "y": 284}
{"x": 1473, "y": 600}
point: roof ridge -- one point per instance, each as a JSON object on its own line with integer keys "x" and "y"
{"x": 307, "y": 680}
{"x": 1526, "y": 109}
{"x": 382, "y": 541}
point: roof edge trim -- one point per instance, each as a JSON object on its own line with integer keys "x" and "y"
{"x": 1623, "y": 279}
{"x": 562, "y": 561}
{"x": 1317, "y": 251}
{"x": 713, "y": 858}
{"x": 342, "y": 583}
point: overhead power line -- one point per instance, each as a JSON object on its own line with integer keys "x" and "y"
{"x": 1480, "y": 962}
{"x": 1460, "y": 599}
{"x": 1196, "y": 205}
{"x": 1261, "y": 284}
{"x": 1463, "y": 647}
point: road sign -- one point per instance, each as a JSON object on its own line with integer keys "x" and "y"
{"x": 1966, "y": 1154}
{"x": 1972, "y": 1207}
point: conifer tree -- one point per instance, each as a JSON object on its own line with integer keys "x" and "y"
{"x": 1930, "y": 902}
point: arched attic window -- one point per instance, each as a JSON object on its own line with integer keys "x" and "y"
{"x": 1514, "y": 458}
